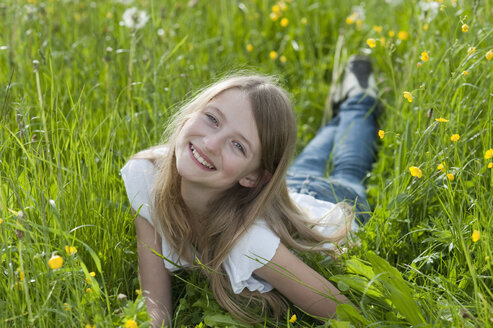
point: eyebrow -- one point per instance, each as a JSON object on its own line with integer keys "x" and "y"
{"x": 249, "y": 145}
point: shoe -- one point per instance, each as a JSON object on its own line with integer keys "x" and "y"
{"x": 357, "y": 78}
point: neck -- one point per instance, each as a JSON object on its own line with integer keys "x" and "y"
{"x": 197, "y": 199}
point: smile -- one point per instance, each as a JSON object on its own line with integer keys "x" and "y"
{"x": 200, "y": 159}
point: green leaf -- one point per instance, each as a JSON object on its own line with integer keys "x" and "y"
{"x": 347, "y": 312}
{"x": 399, "y": 292}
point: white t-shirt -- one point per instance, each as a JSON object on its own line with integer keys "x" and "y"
{"x": 255, "y": 247}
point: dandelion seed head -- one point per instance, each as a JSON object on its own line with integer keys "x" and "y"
{"x": 160, "y": 32}
{"x": 134, "y": 18}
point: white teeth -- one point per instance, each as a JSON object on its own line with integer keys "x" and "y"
{"x": 200, "y": 159}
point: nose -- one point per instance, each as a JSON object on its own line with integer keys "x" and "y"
{"x": 213, "y": 143}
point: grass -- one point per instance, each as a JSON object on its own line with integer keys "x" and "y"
{"x": 99, "y": 91}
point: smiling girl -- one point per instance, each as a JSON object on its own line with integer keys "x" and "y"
{"x": 217, "y": 195}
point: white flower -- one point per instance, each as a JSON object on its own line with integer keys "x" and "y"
{"x": 134, "y": 18}
{"x": 52, "y": 203}
{"x": 428, "y": 10}
{"x": 160, "y": 32}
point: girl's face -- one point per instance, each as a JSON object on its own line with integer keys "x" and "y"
{"x": 219, "y": 146}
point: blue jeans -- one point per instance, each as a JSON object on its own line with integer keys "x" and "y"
{"x": 348, "y": 141}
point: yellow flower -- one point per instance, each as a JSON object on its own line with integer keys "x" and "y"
{"x": 273, "y": 16}
{"x": 455, "y": 137}
{"x": 88, "y": 290}
{"x": 249, "y": 47}
{"x": 475, "y": 236}
{"x": 382, "y": 40}
{"x": 89, "y": 326}
{"x": 359, "y": 23}
{"x": 471, "y": 50}
{"x": 67, "y": 306}
{"x": 351, "y": 18}
{"x": 70, "y": 250}
{"x": 488, "y": 154}
{"x": 465, "y": 28}
{"x": 426, "y": 27}
{"x": 408, "y": 96}
{"x": 424, "y": 56}
{"x": 304, "y": 21}
{"x": 130, "y": 324}
{"x": 293, "y": 318}
{"x": 371, "y": 43}
{"x": 21, "y": 274}
{"x": 403, "y": 35}
{"x": 450, "y": 176}
{"x": 284, "y": 22}
{"x": 465, "y": 73}
{"x": 378, "y": 29}
{"x": 1, "y": 220}
{"x": 441, "y": 120}
{"x": 138, "y": 292}
{"x": 415, "y": 171}
{"x": 489, "y": 55}
{"x": 391, "y": 33}
{"x": 55, "y": 262}
{"x": 381, "y": 133}
{"x": 283, "y": 59}
{"x": 273, "y": 54}
{"x": 490, "y": 165}
{"x": 441, "y": 166}
{"x": 276, "y": 9}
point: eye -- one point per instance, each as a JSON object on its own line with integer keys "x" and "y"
{"x": 239, "y": 147}
{"x": 211, "y": 118}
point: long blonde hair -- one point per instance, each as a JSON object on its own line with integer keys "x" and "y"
{"x": 236, "y": 209}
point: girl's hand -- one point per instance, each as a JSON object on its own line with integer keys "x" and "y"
{"x": 302, "y": 285}
{"x": 154, "y": 277}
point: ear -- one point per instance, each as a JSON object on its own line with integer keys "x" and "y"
{"x": 252, "y": 180}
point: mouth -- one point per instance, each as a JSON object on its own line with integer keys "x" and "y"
{"x": 200, "y": 159}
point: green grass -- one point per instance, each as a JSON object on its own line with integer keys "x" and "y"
{"x": 100, "y": 93}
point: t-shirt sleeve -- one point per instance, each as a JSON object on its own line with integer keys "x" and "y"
{"x": 254, "y": 249}
{"x": 139, "y": 176}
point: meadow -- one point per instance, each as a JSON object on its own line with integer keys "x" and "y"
{"x": 82, "y": 88}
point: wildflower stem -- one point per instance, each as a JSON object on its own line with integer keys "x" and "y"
{"x": 24, "y": 284}
{"x": 130, "y": 68}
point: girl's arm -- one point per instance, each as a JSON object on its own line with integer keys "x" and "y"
{"x": 307, "y": 298}
{"x": 154, "y": 277}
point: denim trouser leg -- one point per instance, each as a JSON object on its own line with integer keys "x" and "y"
{"x": 350, "y": 137}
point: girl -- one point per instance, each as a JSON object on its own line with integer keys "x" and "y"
{"x": 215, "y": 196}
